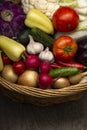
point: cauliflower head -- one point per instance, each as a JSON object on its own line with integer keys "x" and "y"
{"x": 48, "y": 7}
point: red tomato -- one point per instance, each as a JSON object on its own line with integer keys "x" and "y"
{"x": 19, "y": 67}
{"x": 65, "y": 19}
{"x": 64, "y": 48}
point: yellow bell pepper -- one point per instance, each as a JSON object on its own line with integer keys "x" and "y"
{"x": 11, "y": 48}
{"x": 35, "y": 18}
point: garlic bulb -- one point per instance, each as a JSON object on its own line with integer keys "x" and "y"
{"x": 34, "y": 47}
{"x": 47, "y": 55}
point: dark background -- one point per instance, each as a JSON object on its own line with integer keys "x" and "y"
{"x": 65, "y": 116}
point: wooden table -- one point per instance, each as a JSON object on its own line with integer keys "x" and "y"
{"x": 66, "y": 116}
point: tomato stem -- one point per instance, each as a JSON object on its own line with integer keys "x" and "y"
{"x": 68, "y": 49}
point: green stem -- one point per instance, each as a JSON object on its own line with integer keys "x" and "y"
{"x": 23, "y": 57}
{"x": 85, "y": 67}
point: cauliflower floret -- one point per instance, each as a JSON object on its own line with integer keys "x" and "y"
{"x": 48, "y": 7}
{"x": 51, "y": 9}
{"x": 42, "y": 5}
{"x": 53, "y": 1}
{"x": 82, "y": 3}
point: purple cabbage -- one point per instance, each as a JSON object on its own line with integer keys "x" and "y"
{"x": 16, "y": 24}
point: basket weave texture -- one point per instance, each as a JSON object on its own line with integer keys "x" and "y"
{"x": 37, "y": 96}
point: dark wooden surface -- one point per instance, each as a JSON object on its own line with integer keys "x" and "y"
{"x": 66, "y": 116}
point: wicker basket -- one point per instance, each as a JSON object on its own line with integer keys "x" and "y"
{"x": 36, "y": 96}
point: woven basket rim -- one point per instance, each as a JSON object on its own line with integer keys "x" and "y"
{"x": 43, "y": 93}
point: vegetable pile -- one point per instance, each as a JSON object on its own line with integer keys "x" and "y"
{"x": 39, "y": 48}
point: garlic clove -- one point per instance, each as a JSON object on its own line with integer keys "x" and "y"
{"x": 47, "y": 55}
{"x": 38, "y": 47}
{"x": 34, "y": 47}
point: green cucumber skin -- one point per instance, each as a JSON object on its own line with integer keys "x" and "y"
{"x": 42, "y": 37}
{"x": 23, "y": 37}
{"x": 64, "y": 72}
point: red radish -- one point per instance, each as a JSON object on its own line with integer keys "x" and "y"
{"x": 32, "y": 61}
{"x": 45, "y": 81}
{"x": 19, "y": 67}
{"x": 44, "y": 67}
{"x": 5, "y": 59}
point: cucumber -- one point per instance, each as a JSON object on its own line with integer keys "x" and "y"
{"x": 64, "y": 71}
{"x": 23, "y": 37}
{"x": 42, "y": 37}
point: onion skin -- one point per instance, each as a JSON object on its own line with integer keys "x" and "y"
{"x": 9, "y": 74}
{"x": 28, "y": 78}
{"x": 75, "y": 78}
{"x": 61, "y": 83}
